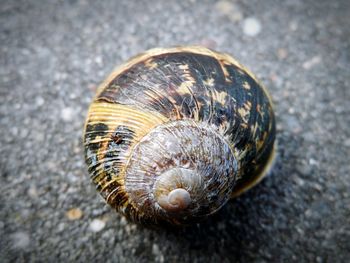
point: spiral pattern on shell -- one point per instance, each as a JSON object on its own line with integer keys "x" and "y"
{"x": 174, "y": 133}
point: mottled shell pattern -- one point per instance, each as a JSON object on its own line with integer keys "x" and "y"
{"x": 174, "y": 133}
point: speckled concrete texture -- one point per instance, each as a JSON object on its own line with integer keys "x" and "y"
{"x": 53, "y": 54}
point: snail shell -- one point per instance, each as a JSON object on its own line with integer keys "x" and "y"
{"x": 174, "y": 133}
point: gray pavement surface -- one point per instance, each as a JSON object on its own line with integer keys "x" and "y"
{"x": 53, "y": 54}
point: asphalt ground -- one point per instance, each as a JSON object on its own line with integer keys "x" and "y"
{"x": 53, "y": 54}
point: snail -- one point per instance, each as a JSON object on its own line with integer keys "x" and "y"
{"x": 174, "y": 133}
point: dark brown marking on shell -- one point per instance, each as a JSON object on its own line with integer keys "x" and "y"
{"x": 159, "y": 89}
{"x": 120, "y": 141}
{"x": 104, "y": 168}
{"x": 115, "y": 195}
{"x": 91, "y": 145}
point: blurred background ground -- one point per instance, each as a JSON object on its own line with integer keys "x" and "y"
{"x": 54, "y": 54}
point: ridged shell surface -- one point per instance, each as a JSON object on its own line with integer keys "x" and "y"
{"x": 163, "y": 89}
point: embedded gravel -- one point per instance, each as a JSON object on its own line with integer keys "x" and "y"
{"x": 53, "y": 54}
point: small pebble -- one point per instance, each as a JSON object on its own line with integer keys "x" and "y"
{"x": 230, "y": 10}
{"x": 39, "y": 101}
{"x": 308, "y": 213}
{"x": 208, "y": 43}
{"x": 317, "y": 186}
{"x": 299, "y": 181}
{"x": 312, "y": 62}
{"x": 155, "y": 249}
{"x": 67, "y": 114}
{"x": 293, "y": 26}
{"x": 300, "y": 231}
{"x": 123, "y": 221}
{"x": 251, "y": 26}
{"x": 98, "y": 60}
{"x": 347, "y": 142}
{"x": 33, "y": 192}
{"x": 97, "y": 225}
{"x": 282, "y": 53}
{"x": 313, "y": 161}
{"x": 74, "y": 214}
{"x": 20, "y": 240}
{"x": 92, "y": 87}
{"x": 293, "y": 124}
{"x": 305, "y": 169}
{"x": 60, "y": 227}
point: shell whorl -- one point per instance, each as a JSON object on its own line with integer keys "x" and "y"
{"x": 172, "y": 188}
{"x": 180, "y": 169}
